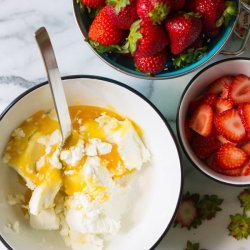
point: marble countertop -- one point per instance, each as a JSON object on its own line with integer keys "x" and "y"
{"x": 21, "y": 67}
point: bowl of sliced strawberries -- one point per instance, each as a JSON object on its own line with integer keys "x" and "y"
{"x": 156, "y": 39}
{"x": 213, "y": 121}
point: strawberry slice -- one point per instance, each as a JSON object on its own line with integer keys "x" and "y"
{"x": 221, "y": 86}
{"x": 202, "y": 120}
{"x": 239, "y": 90}
{"x": 246, "y": 147}
{"x": 209, "y": 98}
{"x": 188, "y": 132}
{"x": 244, "y": 111}
{"x": 223, "y": 140}
{"x": 246, "y": 169}
{"x": 230, "y": 172}
{"x": 222, "y": 105}
{"x": 229, "y": 125}
{"x": 204, "y": 146}
{"x": 230, "y": 157}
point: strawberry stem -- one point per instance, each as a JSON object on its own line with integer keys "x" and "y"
{"x": 159, "y": 13}
{"x": 191, "y": 55}
{"x": 192, "y": 14}
{"x": 104, "y": 49}
{"x": 133, "y": 38}
{"x": 118, "y": 4}
{"x": 228, "y": 14}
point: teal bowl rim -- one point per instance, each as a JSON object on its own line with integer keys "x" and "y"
{"x": 164, "y": 75}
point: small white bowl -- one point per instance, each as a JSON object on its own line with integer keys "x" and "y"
{"x": 195, "y": 87}
{"x": 159, "y": 184}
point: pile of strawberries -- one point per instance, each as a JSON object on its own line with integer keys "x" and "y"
{"x": 155, "y": 32}
{"x": 218, "y": 125}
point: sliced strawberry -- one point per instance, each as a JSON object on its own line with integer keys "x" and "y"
{"x": 202, "y": 120}
{"x": 221, "y": 86}
{"x": 229, "y": 172}
{"x": 229, "y": 125}
{"x": 194, "y": 104}
{"x": 209, "y": 98}
{"x": 246, "y": 147}
{"x": 204, "y": 146}
{"x": 230, "y": 157}
{"x": 246, "y": 169}
{"x": 222, "y": 105}
{"x": 188, "y": 131}
{"x": 244, "y": 111}
{"x": 223, "y": 140}
{"x": 240, "y": 89}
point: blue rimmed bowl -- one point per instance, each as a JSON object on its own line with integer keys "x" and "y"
{"x": 126, "y": 65}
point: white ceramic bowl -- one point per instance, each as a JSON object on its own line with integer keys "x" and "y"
{"x": 194, "y": 88}
{"x": 159, "y": 184}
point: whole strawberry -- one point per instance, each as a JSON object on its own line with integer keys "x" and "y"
{"x": 103, "y": 31}
{"x": 146, "y": 38}
{"x": 183, "y": 30}
{"x": 95, "y": 4}
{"x": 122, "y": 13}
{"x": 154, "y": 11}
{"x": 177, "y": 5}
{"x": 214, "y": 13}
{"x": 150, "y": 65}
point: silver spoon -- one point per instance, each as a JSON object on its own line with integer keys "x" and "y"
{"x": 55, "y": 82}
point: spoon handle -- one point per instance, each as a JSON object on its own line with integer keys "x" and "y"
{"x": 55, "y": 82}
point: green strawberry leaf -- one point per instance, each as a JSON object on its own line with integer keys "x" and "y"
{"x": 192, "y": 14}
{"x": 82, "y": 6}
{"x": 192, "y": 246}
{"x": 209, "y": 205}
{"x": 104, "y": 49}
{"x": 230, "y": 11}
{"x": 118, "y": 4}
{"x": 244, "y": 198}
{"x": 133, "y": 38}
{"x": 159, "y": 12}
{"x": 191, "y": 56}
{"x": 239, "y": 226}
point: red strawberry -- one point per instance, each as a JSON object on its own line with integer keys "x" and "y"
{"x": 103, "y": 31}
{"x": 229, "y": 124}
{"x": 222, "y": 105}
{"x": 177, "y": 5}
{"x": 244, "y": 111}
{"x": 95, "y": 4}
{"x": 209, "y": 98}
{"x": 183, "y": 30}
{"x": 246, "y": 147}
{"x": 154, "y": 11}
{"x": 146, "y": 38}
{"x": 246, "y": 169}
{"x": 122, "y": 13}
{"x": 202, "y": 120}
{"x": 240, "y": 89}
{"x": 150, "y": 64}
{"x": 204, "y": 146}
{"x": 211, "y": 11}
{"x": 221, "y": 86}
{"x": 187, "y": 215}
{"x": 230, "y": 157}
{"x": 230, "y": 172}
{"x": 223, "y": 140}
{"x": 188, "y": 131}
{"x": 198, "y": 43}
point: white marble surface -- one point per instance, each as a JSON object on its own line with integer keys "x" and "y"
{"x": 21, "y": 67}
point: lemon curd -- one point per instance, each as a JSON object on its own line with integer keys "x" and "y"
{"x": 36, "y": 155}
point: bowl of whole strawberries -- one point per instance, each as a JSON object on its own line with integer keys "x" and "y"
{"x": 157, "y": 39}
{"x": 213, "y": 121}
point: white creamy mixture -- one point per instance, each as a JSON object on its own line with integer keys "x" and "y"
{"x": 77, "y": 190}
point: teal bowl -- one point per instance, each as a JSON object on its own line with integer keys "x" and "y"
{"x": 126, "y": 65}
